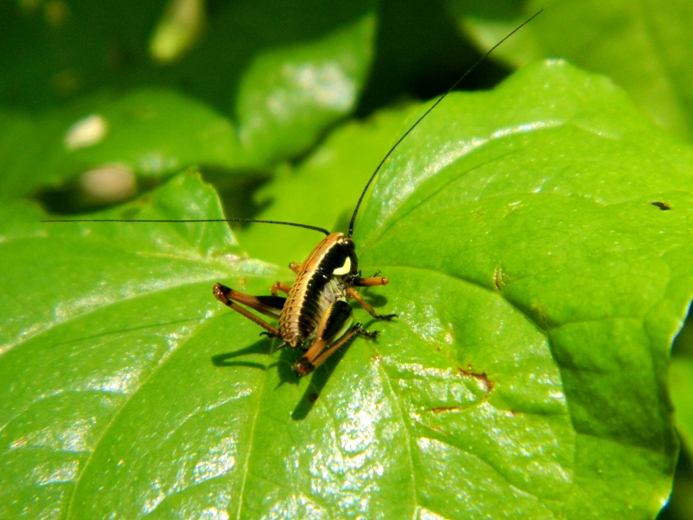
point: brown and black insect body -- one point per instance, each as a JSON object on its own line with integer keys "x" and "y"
{"x": 315, "y": 316}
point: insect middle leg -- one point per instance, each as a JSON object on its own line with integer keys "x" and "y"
{"x": 267, "y": 305}
{"x": 283, "y": 287}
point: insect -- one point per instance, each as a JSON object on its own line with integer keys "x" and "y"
{"x": 315, "y": 315}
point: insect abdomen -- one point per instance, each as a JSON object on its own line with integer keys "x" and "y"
{"x": 309, "y": 297}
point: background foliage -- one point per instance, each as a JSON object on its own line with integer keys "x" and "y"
{"x": 537, "y": 237}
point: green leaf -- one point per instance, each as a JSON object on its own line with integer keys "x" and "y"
{"x": 150, "y": 132}
{"x": 575, "y": 214}
{"x": 537, "y": 239}
{"x": 287, "y": 76}
{"x": 645, "y": 49}
{"x": 288, "y": 97}
{"x": 334, "y": 175}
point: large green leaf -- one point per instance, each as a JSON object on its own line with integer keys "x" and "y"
{"x": 537, "y": 239}
{"x": 646, "y": 47}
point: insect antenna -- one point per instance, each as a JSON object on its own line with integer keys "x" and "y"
{"x": 428, "y": 111}
{"x": 294, "y": 224}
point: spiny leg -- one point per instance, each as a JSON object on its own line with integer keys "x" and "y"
{"x": 356, "y": 329}
{"x": 265, "y": 304}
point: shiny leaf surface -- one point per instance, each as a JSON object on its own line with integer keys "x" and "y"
{"x": 537, "y": 239}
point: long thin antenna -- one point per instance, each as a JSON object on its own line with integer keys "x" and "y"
{"x": 294, "y": 224}
{"x": 469, "y": 70}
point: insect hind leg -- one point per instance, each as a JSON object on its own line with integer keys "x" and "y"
{"x": 333, "y": 333}
{"x": 305, "y": 366}
{"x": 267, "y": 305}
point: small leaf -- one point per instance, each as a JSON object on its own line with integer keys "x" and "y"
{"x": 288, "y": 97}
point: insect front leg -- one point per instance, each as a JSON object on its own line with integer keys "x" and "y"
{"x": 279, "y": 286}
{"x": 333, "y": 333}
{"x": 268, "y": 305}
{"x": 371, "y": 281}
{"x": 356, "y": 296}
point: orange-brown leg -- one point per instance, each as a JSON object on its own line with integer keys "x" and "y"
{"x": 303, "y": 366}
{"x": 279, "y": 286}
{"x": 333, "y": 323}
{"x": 306, "y": 364}
{"x": 371, "y": 281}
{"x": 295, "y": 267}
{"x": 268, "y": 305}
{"x": 356, "y": 296}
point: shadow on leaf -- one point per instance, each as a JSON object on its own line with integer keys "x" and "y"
{"x": 317, "y": 383}
{"x": 225, "y": 360}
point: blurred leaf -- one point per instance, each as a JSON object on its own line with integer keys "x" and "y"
{"x": 153, "y": 132}
{"x": 681, "y": 383}
{"x": 681, "y": 380}
{"x": 288, "y": 97}
{"x": 178, "y": 30}
{"x": 681, "y": 502}
{"x": 538, "y": 288}
{"x": 54, "y": 50}
{"x": 288, "y": 75}
{"x": 646, "y": 48}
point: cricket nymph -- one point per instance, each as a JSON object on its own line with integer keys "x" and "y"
{"x": 315, "y": 316}
{"x": 321, "y": 281}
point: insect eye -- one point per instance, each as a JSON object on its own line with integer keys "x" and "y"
{"x": 349, "y": 244}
